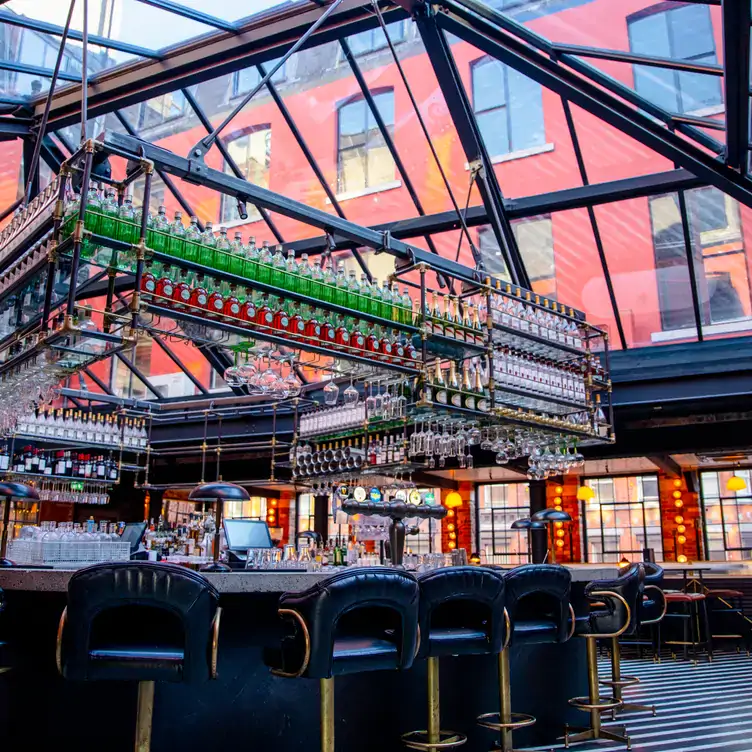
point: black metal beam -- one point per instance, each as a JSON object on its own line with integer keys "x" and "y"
{"x": 33, "y": 24}
{"x": 594, "y": 223}
{"x": 263, "y": 37}
{"x": 51, "y": 154}
{"x": 691, "y": 269}
{"x": 191, "y": 13}
{"x": 498, "y": 43}
{"x": 179, "y": 363}
{"x": 529, "y": 206}
{"x": 37, "y": 70}
{"x": 736, "y": 38}
{"x": 667, "y": 464}
{"x": 619, "y": 56}
{"x": 93, "y": 376}
{"x": 28, "y": 159}
{"x": 388, "y": 140}
{"x": 460, "y": 109}
{"x": 138, "y": 373}
{"x": 220, "y": 362}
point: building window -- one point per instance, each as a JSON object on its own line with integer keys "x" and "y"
{"x": 161, "y": 110}
{"x": 156, "y": 194}
{"x": 363, "y": 159}
{"x": 727, "y": 515}
{"x": 244, "y": 80}
{"x": 622, "y": 519}
{"x": 253, "y": 509}
{"x": 499, "y": 505}
{"x": 305, "y": 512}
{"x": 682, "y": 33}
{"x": 374, "y": 39}
{"x": 251, "y": 151}
{"x": 508, "y": 107}
{"x": 493, "y": 260}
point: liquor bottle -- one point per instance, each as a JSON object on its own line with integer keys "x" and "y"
{"x": 192, "y": 242}
{"x": 251, "y": 263}
{"x": 448, "y": 317}
{"x": 232, "y": 304}
{"x": 181, "y": 294}
{"x": 108, "y": 222}
{"x": 386, "y": 302}
{"x": 439, "y": 386}
{"x": 357, "y": 337}
{"x": 215, "y": 304}
{"x": 373, "y": 340}
{"x": 297, "y": 323}
{"x": 237, "y": 255}
{"x": 385, "y": 347}
{"x": 407, "y": 307}
{"x": 453, "y": 386}
{"x": 396, "y": 303}
{"x": 248, "y": 306}
{"x": 157, "y": 236}
{"x": 398, "y": 346}
{"x": 364, "y": 301}
{"x": 304, "y": 276}
{"x": 281, "y": 320}
{"x": 353, "y": 299}
{"x": 328, "y": 282}
{"x": 208, "y": 244}
{"x": 468, "y": 397}
{"x": 481, "y": 402}
{"x": 374, "y": 303}
{"x": 291, "y": 271}
{"x": 436, "y": 324}
{"x": 93, "y": 213}
{"x": 341, "y": 334}
{"x": 278, "y": 275}
{"x": 329, "y": 330}
{"x": 165, "y": 286}
{"x": 176, "y": 237}
{"x": 312, "y": 326}
{"x": 265, "y": 263}
{"x": 317, "y": 281}
{"x": 199, "y": 295}
{"x": 148, "y": 281}
{"x": 264, "y": 313}
{"x": 128, "y": 231}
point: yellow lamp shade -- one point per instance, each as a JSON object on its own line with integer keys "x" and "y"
{"x": 585, "y": 493}
{"x": 735, "y": 483}
{"x": 453, "y": 500}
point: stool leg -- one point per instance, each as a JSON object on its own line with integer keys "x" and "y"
{"x": 327, "y": 714}
{"x": 616, "y": 667}
{"x": 144, "y": 714}
{"x": 594, "y": 689}
{"x": 505, "y": 692}
{"x": 434, "y": 713}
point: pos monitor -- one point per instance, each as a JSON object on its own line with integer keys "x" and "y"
{"x": 244, "y": 534}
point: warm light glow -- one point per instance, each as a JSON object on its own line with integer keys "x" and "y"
{"x": 681, "y": 529}
{"x": 270, "y": 520}
{"x": 735, "y": 483}
{"x": 453, "y": 500}
{"x": 678, "y": 519}
{"x": 559, "y": 490}
{"x": 677, "y": 494}
{"x": 450, "y": 513}
{"x": 452, "y": 536}
{"x": 585, "y": 493}
{"x": 558, "y": 507}
{"x": 559, "y": 543}
{"x": 450, "y": 527}
{"x": 558, "y": 524}
{"x": 678, "y": 503}
{"x": 624, "y": 562}
{"x": 682, "y": 559}
{"x": 560, "y": 533}
{"x": 274, "y": 502}
{"x": 474, "y": 558}
{"x": 557, "y": 499}
{"x": 681, "y": 540}
{"x": 677, "y": 483}
{"x": 452, "y": 544}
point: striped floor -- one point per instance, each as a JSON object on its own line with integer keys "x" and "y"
{"x": 704, "y": 707}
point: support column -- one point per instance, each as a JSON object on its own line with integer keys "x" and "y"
{"x": 321, "y": 516}
{"x": 539, "y": 537}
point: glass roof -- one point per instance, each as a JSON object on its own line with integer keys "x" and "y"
{"x": 651, "y": 270}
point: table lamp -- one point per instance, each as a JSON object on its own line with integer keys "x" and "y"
{"x": 549, "y": 517}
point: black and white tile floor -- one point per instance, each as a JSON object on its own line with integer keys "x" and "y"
{"x": 703, "y": 707}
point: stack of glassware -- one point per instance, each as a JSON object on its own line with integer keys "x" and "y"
{"x": 27, "y": 219}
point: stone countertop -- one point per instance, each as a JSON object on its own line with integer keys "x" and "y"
{"x": 56, "y": 580}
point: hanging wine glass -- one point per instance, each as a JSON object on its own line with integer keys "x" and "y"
{"x": 232, "y": 375}
{"x": 351, "y": 395}
{"x": 331, "y": 393}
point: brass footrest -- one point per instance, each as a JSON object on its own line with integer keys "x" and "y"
{"x": 519, "y": 720}
{"x": 604, "y": 703}
{"x": 625, "y": 681}
{"x": 419, "y": 740}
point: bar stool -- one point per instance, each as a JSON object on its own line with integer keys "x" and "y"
{"x": 537, "y": 598}
{"x": 363, "y": 619}
{"x": 142, "y": 622}
{"x": 462, "y": 612}
{"x": 691, "y": 606}
{"x": 3, "y": 669}
{"x": 725, "y": 604}
{"x": 608, "y": 622}
{"x": 654, "y": 605}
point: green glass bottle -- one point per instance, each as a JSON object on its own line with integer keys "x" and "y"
{"x": 317, "y": 281}
{"x": 375, "y": 299}
{"x": 292, "y": 281}
{"x": 237, "y": 255}
{"x": 329, "y": 283}
{"x": 278, "y": 275}
{"x": 157, "y": 234}
{"x": 251, "y": 263}
{"x": 192, "y": 242}
{"x": 108, "y": 222}
{"x": 265, "y": 263}
{"x": 208, "y": 244}
{"x": 176, "y": 237}
{"x": 386, "y": 302}
{"x": 128, "y": 231}
{"x": 304, "y": 276}
{"x": 222, "y": 255}
{"x": 93, "y": 213}
{"x": 340, "y": 294}
{"x": 353, "y": 298}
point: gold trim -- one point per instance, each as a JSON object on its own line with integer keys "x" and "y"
{"x": 574, "y": 623}
{"x": 508, "y": 623}
{"x": 59, "y": 645}
{"x": 144, "y": 715}
{"x": 215, "y": 641}
{"x": 610, "y": 594}
{"x": 283, "y": 612}
{"x": 417, "y": 644}
{"x": 665, "y": 605}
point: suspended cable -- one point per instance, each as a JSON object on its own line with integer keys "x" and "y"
{"x": 423, "y": 126}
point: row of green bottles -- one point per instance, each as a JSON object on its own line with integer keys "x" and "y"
{"x": 105, "y": 217}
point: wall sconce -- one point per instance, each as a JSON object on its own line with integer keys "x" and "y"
{"x": 453, "y": 500}
{"x": 736, "y": 483}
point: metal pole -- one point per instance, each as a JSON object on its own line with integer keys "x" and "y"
{"x": 79, "y": 231}
{"x": 141, "y": 249}
{"x": 32, "y": 168}
{"x": 434, "y": 717}
{"x": 144, "y": 715}
{"x": 84, "y": 71}
{"x": 4, "y": 540}
{"x": 327, "y": 714}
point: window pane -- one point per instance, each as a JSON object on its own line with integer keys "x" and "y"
{"x": 649, "y": 35}
{"x": 526, "y": 111}
{"x": 385, "y": 105}
{"x": 691, "y": 31}
{"x": 493, "y": 128}
{"x": 353, "y": 170}
{"x": 488, "y": 85}
{"x": 698, "y": 90}
{"x": 491, "y": 254}
{"x": 380, "y": 166}
{"x": 658, "y": 86}
{"x": 536, "y": 242}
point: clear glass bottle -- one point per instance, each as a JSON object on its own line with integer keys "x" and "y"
{"x": 158, "y": 231}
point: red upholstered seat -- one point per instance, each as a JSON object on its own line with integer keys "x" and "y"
{"x": 678, "y": 598}
{"x": 721, "y": 593}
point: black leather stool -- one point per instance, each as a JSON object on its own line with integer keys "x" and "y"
{"x": 3, "y": 669}
{"x": 726, "y": 616}
{"x": 143, "y": 622}
{"x": 537, "y": 602}
{"x": 462, "y": 612}
{"x": 612, "y": 618}
{"x": 363, "y": 619}
{"x": 654, "y": 605}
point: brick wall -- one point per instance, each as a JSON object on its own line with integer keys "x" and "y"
{"x": 562, "y": 494}
{"x": 457, "y": 526}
